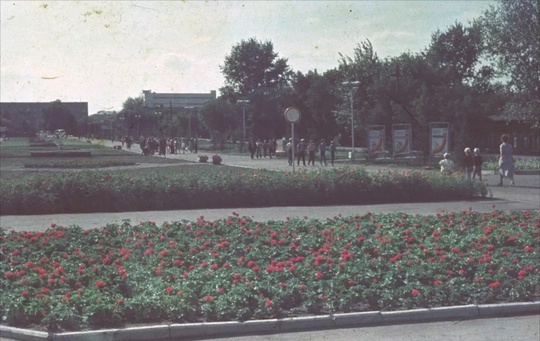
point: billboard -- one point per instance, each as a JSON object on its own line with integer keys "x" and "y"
{"x": 439, "y": 139}
{"x": 376, "y": 139}
{"x": 401, "y": 139}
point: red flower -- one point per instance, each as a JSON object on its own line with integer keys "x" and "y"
{"x": 169, "y": 290}
{"x": 100, "y": 284}
{"x": 495, "y": 284}
{"x": 208, "y": 299}
{"x": 268, "y": 303}
{"x": 319, "y": 275}
{"x": 529, "y": 249}
{"x": 415, "y": 292}
{"x": 159, "y": 271}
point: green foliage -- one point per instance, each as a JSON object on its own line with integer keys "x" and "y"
{"x": 88, "y": 191}
{"x": 239, "y": 269}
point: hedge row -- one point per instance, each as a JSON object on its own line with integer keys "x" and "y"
{"x": 96, "y": 191}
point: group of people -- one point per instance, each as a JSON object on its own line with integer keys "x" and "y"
{"x": 473, "y": 162}
{"x": 311, "y": 149}
{"x": 166, "y": 145}
{"x": 261, "y": 149}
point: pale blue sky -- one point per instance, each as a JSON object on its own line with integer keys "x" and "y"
{"x": 103, "y": 52}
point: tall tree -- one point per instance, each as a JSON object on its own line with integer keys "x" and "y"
{"x": 511, "y": 31}
{"x": 254, "y": 65}
{"x": 255, "y": 72}
{"x": 218, "y": 117}
{"x": 317, "y": 96}
{"x": 57, "y": 116}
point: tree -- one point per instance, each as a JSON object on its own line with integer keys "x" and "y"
{"x": 57, "y": 116}
{"x": 317, "y": 96}
{"x": 218, "y": 117}
{"x": 254, "y": 65}
{"x": 511, "y": 31}
{"x": 455, "y": 52}
{"x": 254, "y": 71}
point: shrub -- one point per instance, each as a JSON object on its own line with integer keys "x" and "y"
{"x": 96, "y": 191}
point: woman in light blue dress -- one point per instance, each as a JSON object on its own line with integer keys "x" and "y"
{"x": 506, "y": 160}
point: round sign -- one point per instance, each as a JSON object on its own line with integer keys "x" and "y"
{"x": 292, "y": 115}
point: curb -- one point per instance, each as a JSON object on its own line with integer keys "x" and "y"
{"x": 286, "y": 325}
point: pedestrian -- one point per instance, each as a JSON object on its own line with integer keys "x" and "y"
{"x": 477, "y": 164}
{"x": 289, "y": 149}
{"x": 322, "y": 152}
{"x": 265, "y": 148}
{"x": 311, "y": 153}
{"x": 272, "y": 147}
{"x": 252, "y": 147}
{"x": 447, "y": 165}
{"x": 259, "y": 146}
{"x": 468, "y": 162}
{"x": 506, "y": 160}
{"x": 162, "y": 146}
{"x": 332, "y": 152}
{"x": 301, "y": 149}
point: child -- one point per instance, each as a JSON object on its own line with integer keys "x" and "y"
{"x": 477, "y": 164}
{"x": 447, "y": 165}
{"x": 468, "y": 162}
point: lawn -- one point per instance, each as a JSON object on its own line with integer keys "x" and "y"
{"x": 66, "y": 278}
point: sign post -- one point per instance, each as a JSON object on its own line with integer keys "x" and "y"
{"x": 292, "y": 115}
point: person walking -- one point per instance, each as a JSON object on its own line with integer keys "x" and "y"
{"x": 332, "y": 152}
{"x": 301, "y": 149}
{"x": 506, "y": 160}
{"x": 468, "y": 162}
{"x": 477, "y": 164}
{"x": 259, "y": 146}
{"x": 322, "y": 152}
{"x": 252, "y": 148}
{"x": 289, "y": 149}
{"x": 311, "y": 153}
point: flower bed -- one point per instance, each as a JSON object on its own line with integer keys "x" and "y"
{"x": 239, "y": 269}
{"x": 100, "y": 191}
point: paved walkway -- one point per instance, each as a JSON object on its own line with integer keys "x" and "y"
{"x": 525, "y": 195}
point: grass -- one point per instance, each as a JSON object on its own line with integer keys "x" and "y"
{"x": 15, "y": 153}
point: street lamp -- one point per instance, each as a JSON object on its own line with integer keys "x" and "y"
{"x": 189, "y": 121}
{"x": 352, "y": 85}
{"x": 122, "y": 120}
{"x": 244, "y": 102}
{"x": 138, "y": 118}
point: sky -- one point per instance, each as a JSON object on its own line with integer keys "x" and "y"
{"x": 103, "y": 52}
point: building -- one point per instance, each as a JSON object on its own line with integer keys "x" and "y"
{"x": 26, "y": 118}
{"x": 153, "y": 100}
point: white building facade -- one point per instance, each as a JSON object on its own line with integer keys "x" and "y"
{"x": 153, "y": 100}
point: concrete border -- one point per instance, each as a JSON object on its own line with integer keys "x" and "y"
{"x": 273, "y": 326}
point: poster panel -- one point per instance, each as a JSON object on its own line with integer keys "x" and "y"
{"x": 439, "y": 139}
{"x": 402, "y": 139}
{"x": 376, "y": 139}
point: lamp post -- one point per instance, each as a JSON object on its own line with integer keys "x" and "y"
{"x": 122, "y": 120}
{"x": 244, "y": 102}
{"x": 189, "y": 121}
{"x": 138, "y": 118}
{"x": 352, "y": 85}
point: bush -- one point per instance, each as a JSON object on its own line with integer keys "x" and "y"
{"x": 91, "y": 191}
